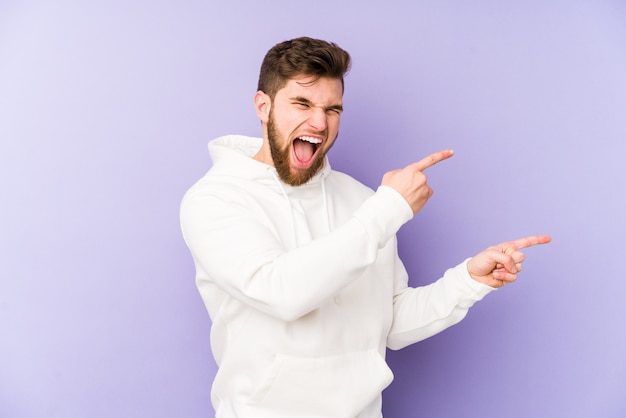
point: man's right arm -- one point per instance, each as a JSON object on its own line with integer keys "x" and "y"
{"x": 244, "y": 257}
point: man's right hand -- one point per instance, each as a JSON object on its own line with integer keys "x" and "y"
{"x": 411, "y": 182}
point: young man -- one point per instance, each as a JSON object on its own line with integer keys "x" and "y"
{"x": 297, "y": 264}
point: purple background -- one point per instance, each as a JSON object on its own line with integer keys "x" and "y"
{"x": 105, "y": 111}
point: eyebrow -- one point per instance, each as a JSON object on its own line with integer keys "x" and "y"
{"x": 304, "y": 100}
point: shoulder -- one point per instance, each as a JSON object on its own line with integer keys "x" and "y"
{"x": 215, "y": 186}
{"x": 344, "y": 183}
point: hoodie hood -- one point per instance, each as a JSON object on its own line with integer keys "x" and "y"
{"x": 232, "y": 157}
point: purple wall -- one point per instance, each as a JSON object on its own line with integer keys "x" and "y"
{"x": 105, "y": 112}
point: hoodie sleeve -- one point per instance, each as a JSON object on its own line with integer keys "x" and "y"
{"x": 243, "y": 256}
{"x": 422, "y": 312}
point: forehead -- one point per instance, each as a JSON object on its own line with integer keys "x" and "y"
{"x": 316, "y": 89}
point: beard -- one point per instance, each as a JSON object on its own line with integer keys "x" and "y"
{"x": 281, "y": 158}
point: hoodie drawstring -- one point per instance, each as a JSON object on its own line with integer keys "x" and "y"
{"x": 293, "y": 220}
{"x": 290, "y": 206}
{"x": 326, "y": 208}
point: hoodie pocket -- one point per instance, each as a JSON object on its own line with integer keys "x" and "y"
{"x": 335, "y": 386}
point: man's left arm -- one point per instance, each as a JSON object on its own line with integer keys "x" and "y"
{"x": 424, "y": 311}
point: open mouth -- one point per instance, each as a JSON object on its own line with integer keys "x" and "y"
{"x": 305, "y": 148}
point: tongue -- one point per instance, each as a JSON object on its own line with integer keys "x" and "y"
{"x": 304, "y": 150}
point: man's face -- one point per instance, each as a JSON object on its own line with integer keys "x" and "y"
{"x": 302, "y": 126}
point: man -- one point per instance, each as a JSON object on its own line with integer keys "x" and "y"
{"x": 297, "y": 264}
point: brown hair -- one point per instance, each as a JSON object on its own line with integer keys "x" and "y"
{"x": 301, "y": 56}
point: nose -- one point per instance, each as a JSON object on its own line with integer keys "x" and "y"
{"x": 318, "y": 119}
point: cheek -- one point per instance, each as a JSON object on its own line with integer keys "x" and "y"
{"x": 333, "y": 129}
{"x": 290, "y": 126}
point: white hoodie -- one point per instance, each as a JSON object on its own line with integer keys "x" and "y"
{"x": 305, "y": 289}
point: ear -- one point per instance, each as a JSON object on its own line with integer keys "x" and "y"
{"x": 262, "y": 105}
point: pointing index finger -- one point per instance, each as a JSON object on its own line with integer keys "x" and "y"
{"x": 432, "y": 159}
{"x": 518, "y": 244}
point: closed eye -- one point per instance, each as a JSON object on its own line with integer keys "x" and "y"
{"x": 305, "y": 104}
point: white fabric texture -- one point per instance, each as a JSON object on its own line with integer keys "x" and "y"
{"x": 305, "y": 288}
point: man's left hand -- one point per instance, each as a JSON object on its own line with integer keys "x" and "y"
{"x": 499, "y": 265}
